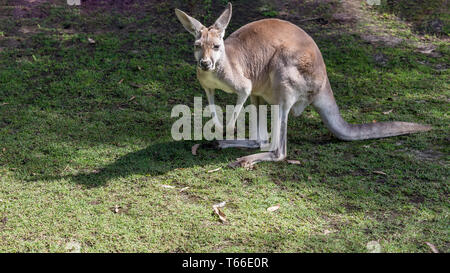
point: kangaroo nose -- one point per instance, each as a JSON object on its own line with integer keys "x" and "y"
{"x": 205, "y": 64}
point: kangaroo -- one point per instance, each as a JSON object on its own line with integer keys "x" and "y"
{"x": 273, "y": 61}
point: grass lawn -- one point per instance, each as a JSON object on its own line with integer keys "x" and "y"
{"x": 86, "y": 155}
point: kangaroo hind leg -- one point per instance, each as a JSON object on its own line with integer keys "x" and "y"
{"x": 278, "y": 145}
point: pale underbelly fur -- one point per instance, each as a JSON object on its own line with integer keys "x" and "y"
{"x": 299, "y": 94}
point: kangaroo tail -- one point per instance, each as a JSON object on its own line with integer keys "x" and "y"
{"x": 325, "y": 104}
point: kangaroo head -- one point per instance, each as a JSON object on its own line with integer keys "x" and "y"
{"x": 208, "y": 45}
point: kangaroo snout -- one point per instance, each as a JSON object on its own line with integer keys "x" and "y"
{"x": 205, "y": 64}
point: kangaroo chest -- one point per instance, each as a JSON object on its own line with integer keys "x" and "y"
{"x": 211, "y": 81}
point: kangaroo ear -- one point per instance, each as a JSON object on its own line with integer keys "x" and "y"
{"x": 222, "y": 22}
{"x": 190, "y": 24}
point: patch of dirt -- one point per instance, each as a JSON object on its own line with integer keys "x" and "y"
{"x": 29, "y": 30}
{"x": 362, "y": 21}
{"x": 110, "y": 4}
{"x": 380, "y": 59}
{"x": 428, "y": 49}
{"x": 9, "y": 42}
{"x": 29, "y": 8}
{"x": 33, "y": 8}
{"x": 279, "y": 183}
{"x": 304, "y": 12}
{"x": 416, "y": 199}
{"x": 351, "y": 207}
{"x": 381, "y": 39}
{"x": 348, "y": 12}
{"x": 427, "y": 155}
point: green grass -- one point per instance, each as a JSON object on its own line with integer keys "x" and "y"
{"x": 85, "y": 129}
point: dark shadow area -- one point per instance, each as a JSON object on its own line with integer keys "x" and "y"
{"x": 157, "y": 159}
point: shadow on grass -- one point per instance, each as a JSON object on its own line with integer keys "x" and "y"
{"x": 156, "y": 159}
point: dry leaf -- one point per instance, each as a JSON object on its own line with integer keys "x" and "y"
{"x": 379, "y": 172}
{"x": 135, "y": 85}
{"x": 216, "y": 208}
{"x": 221, "y": 215}
{"x": 194, "y": 149}
{"x": 168, "y": 186}
{"x": 388, "y": 112}
{"x": 373, "y": 247}
{"x": 295, "y": 162}
{"x": 247, "y": 165}
{"x": 91, "y": 41}
{"x": 140, "y": 68}
{"x": 433, "y": 248}
{"x": 374, "y": 121}
{"x": 274, "y": 208}
{"x": 427, "y": 49}
{"x": 120, "y": 81}
{"x": 73, "y": 247}
{"x": 132, "y": 98}
{"x": 183, "y": 189}
{"x": 326, "y": 232}
{"x": 116, "y": 209}
{"x": 220, "y": 205}
{"x": 215, "y": 170}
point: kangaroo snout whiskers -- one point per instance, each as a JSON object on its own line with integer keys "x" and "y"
{"x": 276, "y": 62}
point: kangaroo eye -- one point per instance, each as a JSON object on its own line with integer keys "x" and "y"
{"x": 216, "y": 46}
{"x": 197, "y": 46}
